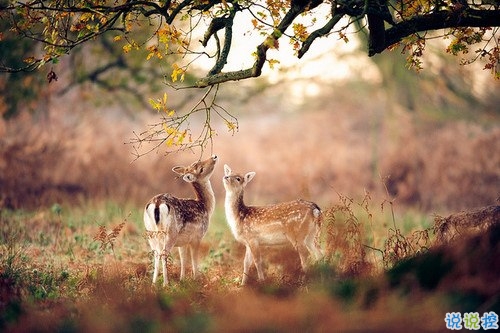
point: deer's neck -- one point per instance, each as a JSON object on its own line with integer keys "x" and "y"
{"x": 235, "y": 201}
{"x": 235, "y": 211}
{"x": 205, "y": 194}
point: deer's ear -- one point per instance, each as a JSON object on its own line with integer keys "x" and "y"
{"x": 249, "y": 176}
{"x": 180, "y": 170}
{"x": 227, "y": 170}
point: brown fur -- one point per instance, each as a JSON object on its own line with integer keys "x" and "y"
{"x": 177, "y": 222}
{"x": 297, "y": 222}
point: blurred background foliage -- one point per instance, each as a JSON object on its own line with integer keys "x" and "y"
{"x": 422, "y": 134}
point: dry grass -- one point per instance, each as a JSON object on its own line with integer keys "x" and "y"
{"x": 314, "y": 155}
{"x": 79, "y": 282}
{"x": 460, "y": 158}
{"x": 357, "y": 248}
{"x": 458, "y": 225}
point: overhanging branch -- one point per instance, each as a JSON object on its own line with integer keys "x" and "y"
{"x": 256, "y": 69}
{"x": 320, "y": 33}
{"x": 440, "y": 20}
{"x": 225, "y": 77}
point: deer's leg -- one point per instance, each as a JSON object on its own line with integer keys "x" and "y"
{"x": 164, "y": 259}
{"x": 301, "y": 247}
{"x": 183, "y": 257}
{"x": 194, "y": 257}
{"x": 247, "y": 262}
{"x": 169, "y": 243}
{"x": 153, "y": 243}
{"x": 303, "y": 254}
{"x": 157, "y": 256}
{"x": 257, "y": 258}
{"x": 258, "y": 265}
{"x": 313, "y": 247}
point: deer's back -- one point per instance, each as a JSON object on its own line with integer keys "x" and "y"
{"x": 186, "y": 212}
{"x": 276, "y": 224}
{"x": 285, "y": 213}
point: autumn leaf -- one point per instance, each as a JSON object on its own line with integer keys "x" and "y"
{"x": 176, "y": 72}
{"x": 300, "y": 31}
{"x": 127, "y": 48}
{"x": 181, "y": 137}
{"x": 29, "y": 60}
{"x": 164, "y": 35}
{"x": 273, "y": 62}
{"x": 231, "y": 126}
{"x": 343, "y": 36}
{"x": 155, "y": 104}
{"x": 174, "y": 136}
{"x": 272, "y": 43}
{"x": 154, "y": 52}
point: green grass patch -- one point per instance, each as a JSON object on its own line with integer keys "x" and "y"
{"x": 73, "y": 262}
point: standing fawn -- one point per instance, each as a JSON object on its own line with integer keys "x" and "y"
{"x": 172, "y": 221}
{"x": 297, "y": 222}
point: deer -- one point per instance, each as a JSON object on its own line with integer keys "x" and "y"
{"x": 297, "y": 222}
{"x": 180, "y": 222}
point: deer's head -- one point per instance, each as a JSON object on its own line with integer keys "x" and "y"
{"x": 235, "y": 182}
{"x": 198, "y": 171}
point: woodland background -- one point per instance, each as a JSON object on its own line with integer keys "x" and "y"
{"x": 431, "y": 137}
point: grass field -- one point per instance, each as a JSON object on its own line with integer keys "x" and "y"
{"x": 88, "y": 268}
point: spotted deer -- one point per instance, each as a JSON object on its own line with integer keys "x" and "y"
{"x": 297, "y": 222}
{"x": 176, "y": 222}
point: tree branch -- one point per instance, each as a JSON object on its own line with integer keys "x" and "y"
{"x": 229, "y": 76}
{"x": 440, "y": 20}
{"x": 217, "y": 24}
{"x": 320, "y": 32}
{"x": 256, "y": 69}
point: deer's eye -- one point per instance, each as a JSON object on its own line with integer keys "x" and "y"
{"x": 201, "y": 169}
{"x": 238, "y": 179}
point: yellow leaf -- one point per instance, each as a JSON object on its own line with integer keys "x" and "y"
{"x": 343, "y": 37}
{"x": 152, "y": 51}
{"x": 271, "y": 42}
{"x": 85, "y": 17}
{"x": 164, "y": 34}
{"x": 155, "y": 104}
{"x": 29, "y": 60}
{"x": 169, "y": 130}
{"x": 273, "y": 62}
{"x": 176, "y": 72}
{"x": 181, "y": 138}
{"x": 300, "y": 31}
{"x": 127, "y": 48}
{"x": 231, "y": 126}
